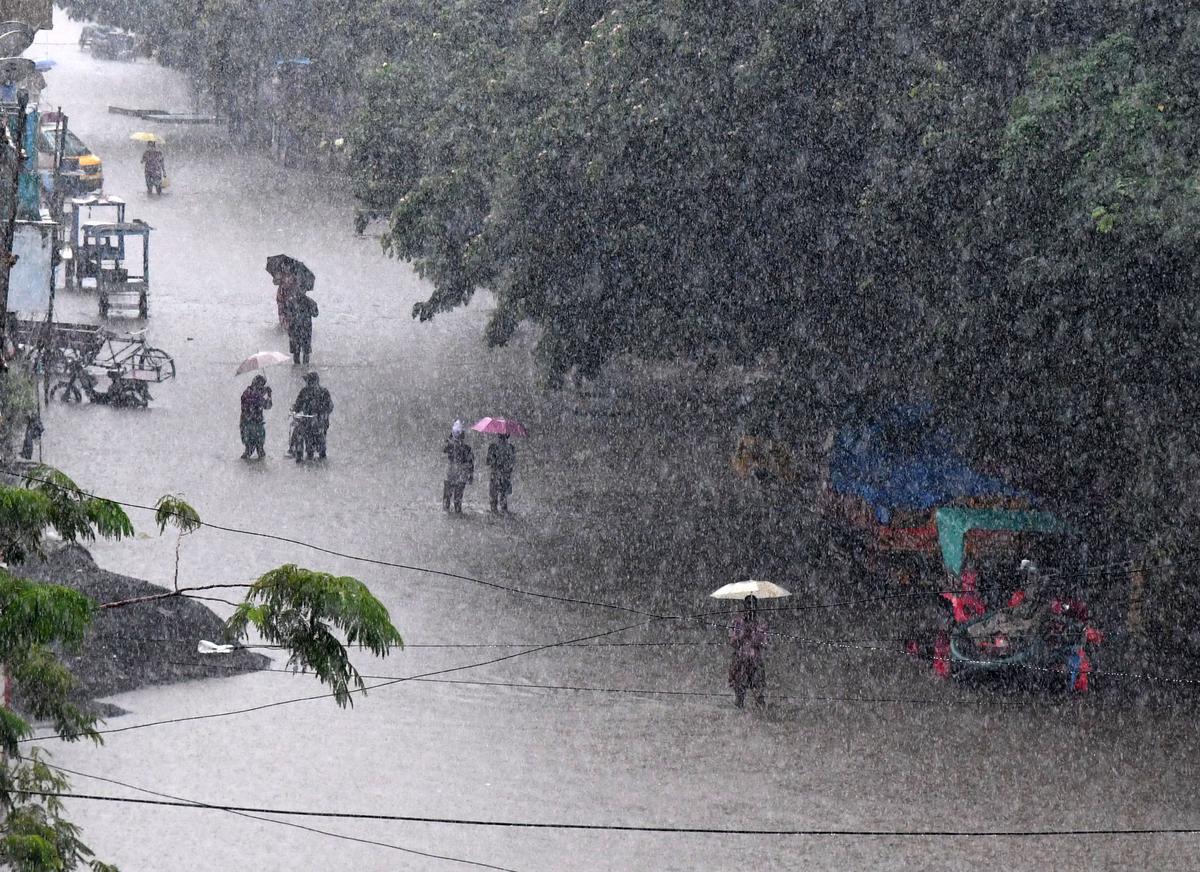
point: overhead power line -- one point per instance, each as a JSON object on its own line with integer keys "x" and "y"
{"x": 342, "y": 836}
{"x": 375, "y": 561}
{"x": 632, "y": 828}
{"x": 644, "y": 691}
{"x": 381, "y": 684}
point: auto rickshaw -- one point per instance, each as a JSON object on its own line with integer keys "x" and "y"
{"x": 1017, "y": 617}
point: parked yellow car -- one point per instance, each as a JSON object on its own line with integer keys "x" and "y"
{"x": 82, "y": 171}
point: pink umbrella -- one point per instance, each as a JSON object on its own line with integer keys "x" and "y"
{"x": 500, "y": 426}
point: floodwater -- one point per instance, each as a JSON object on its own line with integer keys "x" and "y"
{"x": 620, "y": 497}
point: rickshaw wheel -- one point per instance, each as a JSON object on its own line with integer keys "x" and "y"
{"x": 70, "y": 393}
{"x": 157, "y": 360}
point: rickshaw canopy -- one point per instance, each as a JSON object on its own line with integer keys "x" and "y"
{"x": 953, "y": 525}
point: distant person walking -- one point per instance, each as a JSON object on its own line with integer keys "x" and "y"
{"x": 748, "y": 637}
{"x": 314, "y": 404}
{"x": 154, "y": 164}
{"x": 501, "y": 459}
{"x": 460, "y": 468}
{"x": 255, "y": 400}
{"x": 299, "y": 310}
{"x": 286, "y": 284}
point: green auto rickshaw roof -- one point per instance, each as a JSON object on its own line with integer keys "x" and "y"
{"x": 953, "y": 525}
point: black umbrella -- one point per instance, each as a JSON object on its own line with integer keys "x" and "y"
{"x": 283, "y": 263}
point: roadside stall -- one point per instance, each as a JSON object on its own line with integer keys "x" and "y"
{"x": 87, "y": 211}
{"x": 116, "y": 257}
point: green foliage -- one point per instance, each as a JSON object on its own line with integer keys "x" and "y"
{"x": 171, "y": 509}
{"x": 301, "y": 609}
{"x": 52, "y": 499}
{"x": 18, "y": 402}
{"x": 35, "y": 837}
{"x": 297, "y": 608}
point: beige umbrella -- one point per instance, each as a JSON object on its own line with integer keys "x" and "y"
{"x": 750, "y": 587}
{"x": 261, "y": 359}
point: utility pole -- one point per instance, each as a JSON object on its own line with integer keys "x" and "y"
{"x": 15, "y": 36}
{"x": 15, "y": 152}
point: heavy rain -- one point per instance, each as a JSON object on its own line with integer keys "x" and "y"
{"x": 564, "y": 435}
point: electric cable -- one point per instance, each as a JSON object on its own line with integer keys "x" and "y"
{"x": 631, "y": 828}
{"x": 459, "y": 576}
{"x": 637, "y": 691}
{"x": 178, "y": 800}
{"x": 355, "y": 557}
{"x": 329, "y": 695}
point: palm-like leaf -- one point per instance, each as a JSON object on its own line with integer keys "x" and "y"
{"x": 171, "y": 509}
{"x": 74, "y": 514}
{"x": 301, "y": 609}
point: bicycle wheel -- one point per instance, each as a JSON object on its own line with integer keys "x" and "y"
{"x": 157, "y": 360}
{"x": 67, "y": 391}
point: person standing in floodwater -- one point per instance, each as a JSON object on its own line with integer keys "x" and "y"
{"x": 501, "y": 459}
{"x": 154, "y": 164}
{"x": 286, "y": 284}
{"x": 460, "y": 468}
{"x": 255, "y": 400}
{"x": 300, "y": 309}
{"x": 748, "y": 637}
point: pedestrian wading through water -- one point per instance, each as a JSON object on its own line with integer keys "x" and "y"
{"x": 748, "y": 636}
{"x": 460, "y": 468}
{"x": 310, "y": 420}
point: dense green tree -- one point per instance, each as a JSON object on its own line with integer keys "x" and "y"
{"x": 986, "y": 204}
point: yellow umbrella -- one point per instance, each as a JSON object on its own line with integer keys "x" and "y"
{"x": 143, "y": 136}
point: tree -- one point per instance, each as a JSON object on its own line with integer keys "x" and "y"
{"x": 302, "y": 610}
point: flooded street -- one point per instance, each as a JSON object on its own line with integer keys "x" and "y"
{"x": 611, "y": 505}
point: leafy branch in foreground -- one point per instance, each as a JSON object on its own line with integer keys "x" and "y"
{"x": 35, "y": 836}
{"x": 35, "y": 619}
{"x": 300, "y": 609}
{"x": 171, "y": 509}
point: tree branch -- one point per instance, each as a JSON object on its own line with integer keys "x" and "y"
{"x": 183, "y": 591}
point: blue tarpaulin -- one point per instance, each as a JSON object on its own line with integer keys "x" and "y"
{"x": 903, "y": 462}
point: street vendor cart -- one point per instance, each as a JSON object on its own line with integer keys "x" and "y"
{"x": 87, "y": 211}
{"x": 116, "y": 257}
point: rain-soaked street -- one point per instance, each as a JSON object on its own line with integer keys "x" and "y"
{"x": 622, "y": 496}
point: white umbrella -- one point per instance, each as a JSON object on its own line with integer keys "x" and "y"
{"x": 742, "y": 589}
{"x": 262, "y": 359}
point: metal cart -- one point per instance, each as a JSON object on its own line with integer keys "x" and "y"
{"x": 109, "y": 254}
{"x": 85, "y": 211}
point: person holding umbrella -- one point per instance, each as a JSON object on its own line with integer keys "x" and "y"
{"x": 255, "y": 400}
{"x": 290, "y": 277}
{"x": 460, "y": 468}
{"x": 299, "y": 310}
{"x": 285, "y": 287}
{"x": 748, "y": 638}
{"x": 501, "y": 458}
{"x": 154, "y": 164}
